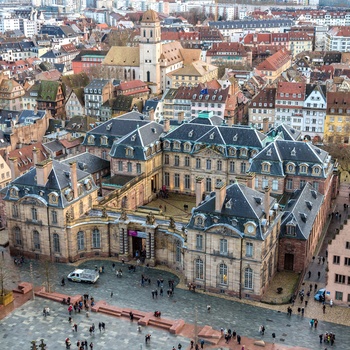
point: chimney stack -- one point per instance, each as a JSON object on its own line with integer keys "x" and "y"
{"x": 250, "y": 180}
{"x": 74, "y": 178}
{"x": 199, "y": 189}
{"x": 265, "y": 125}
{"x": 180, "y": 117}
{"x": 151, "y": 114}
{"x": 166, "y": 125}
{"x": 35, "y": 156}
{"x": 229, "y": 121}
{"x": 43, "y": 170}
{"x": 220, "y": 194}
{"x": 14, "y": 168}
{"x": 267, "y": 190}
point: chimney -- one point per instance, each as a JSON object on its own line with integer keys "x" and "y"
{"x": 14, "y": 168}
{"x": 267, "y": 190}
{"x": 151, "y": 114}
{"x": 180, "y": 117}
{"x": 36, "y": 109}
{"x": 74, "y": 178}
{"x": 166, "y": 125}
{"x": 251, "y": 180}
{"x": 265, "y": 125}
{"x": 35, "y": 156}
{"x": 230, "y": 121}
{"x": 199, "y": 189}
{"x": 43, "y": 170}
{"x": 220, "y": 194}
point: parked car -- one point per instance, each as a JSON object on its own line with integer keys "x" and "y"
{"x": 320, "y": 295}
{"x": 79, "y": 275}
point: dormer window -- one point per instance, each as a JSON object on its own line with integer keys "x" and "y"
{"x": 177, "y": 145}
{"x": 87, "y": 184}
{"x": 187, "y": 146}
{"x": 232, "y": 151}
{"x": 91, "y": 140}
{"x": 290, "y": 168}
{"x": 53, "y": 198}
{"x": 14, "y": 192}
{"x": 129, "y": 152}
{"x": 316, "y": 170}
{"x": 303, "y": 168}
{"x": 166, "y": 144}
{"x": 244, "y": 152}
{"x": 266, "y": 167}
{"x": 199, "y": 220}
{"x": 104, "y": 140}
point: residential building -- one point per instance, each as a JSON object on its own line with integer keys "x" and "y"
{"x": 51, "y": 96}
{"x": 86, "y": 59}
{"x": 338, "y": 262}
{"x": 5, "y": 173}
{"x": 75, "y": 104}
{"x": 11, "y": 94}
{"x": 337, "y": 123}
{"x": 96, "y": 94}
{"x": 232, "y": 241}
{"x": 274, "y": 66}
{"x": 263, "y": 106}
{"x": 314, "y": 111}
{"x": 290, "y": 99}
{"x": 338, "y": 39}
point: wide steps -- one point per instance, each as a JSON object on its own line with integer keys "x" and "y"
{"x": 210, "y": 335}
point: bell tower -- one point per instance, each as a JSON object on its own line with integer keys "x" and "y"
{"x": 150, "y": 50}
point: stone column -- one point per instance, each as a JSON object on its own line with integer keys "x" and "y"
{"x": 126, "y": 242}
{"x": 152, "y": 245}
{"x": 148, "y": 245}
{"x": 121, "y": 241}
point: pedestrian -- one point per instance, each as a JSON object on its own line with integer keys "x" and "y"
{"x": 91, "y": 346}
{"x": 103, "y": 326}
{"x": 113, "y": 266}
{"x": 331, "y": 303}
{"x": 273, "y": 336}
{"x": 100, "y": 326}
{"x": 111, "y": 294}
{"x": 319, "y": 260}
{"x": 165, "y": 205}
{"x": 315, "y": 323}
{"x": 324, "y": 308}
{"x": 208, "y": 308}
{"x": 318, "y": 274}
{"x": 192, "y": 344}
{"x": 75, "y": 327}
{"x": 313, "y": 259}
{"x": 179, "y": 346}
{"x": 315, "y": 290}
{"x": 131, "y": 316}
{"x": 238, "y": 339}
{"x": 309, "y": 274}
{"x": 310, "y": 287}
{"x": 306, "y": 303}
{"x": 321, "y": 337}
{"x": 323, "y": 260}
{"x": 262, "y": 330}
{"x": 63, "y": 282}
{"x": 302, "y": 311}
{"x": 202, "y": 344}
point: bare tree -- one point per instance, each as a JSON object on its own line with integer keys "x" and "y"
{"x": 5, "y": 275}
{"x": 49, "y": 272}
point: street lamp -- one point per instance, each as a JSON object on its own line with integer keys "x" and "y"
{"x": 32, "y": 278}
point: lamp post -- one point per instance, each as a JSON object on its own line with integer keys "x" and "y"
{"x": 32, "y": 278}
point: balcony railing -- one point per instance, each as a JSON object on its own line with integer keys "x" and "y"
{"x": 222, "y": 253}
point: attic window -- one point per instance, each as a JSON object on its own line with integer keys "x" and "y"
{"x": 303, "y": 217}
{"x": 293, "y": 152}
{"x": 314, "y": 194}
{"x": 308, "y": 204}
{"x": 291, "y": 229}
{"x": 258, "y": 200}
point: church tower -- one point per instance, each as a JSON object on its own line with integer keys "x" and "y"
{"x": 150, "y": 50}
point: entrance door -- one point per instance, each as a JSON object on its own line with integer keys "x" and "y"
{"x": 137, "y": 246}
{"x": 289, "y": 262}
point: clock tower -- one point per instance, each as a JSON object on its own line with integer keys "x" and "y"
{"x": 150, "y": 50}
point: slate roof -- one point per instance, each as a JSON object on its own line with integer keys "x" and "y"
{"x": 244, "y": 24}
{"x": 116, "y": 128}
{"x": 88, "y": 162}
{"x": 97, "y": 84}
{"x": 285, "y": 132}
{"x": 241, "y": 204}
{"x": 234, "y": 136}
{"x": 30, "y": 116}
{"x": 54, "y": 146}
{"x": 301, "y": 212}
{"x": 138, "y": 140}
{"x": 58, "y": 181}
{"x": 281, "y": 152}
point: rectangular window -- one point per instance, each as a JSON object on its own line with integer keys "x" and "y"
{"x": 289, "y": 184}
{"x": 347, "y": 261}
{"x": 339, "y": 279}
{"x": 15, "y": 211}
{"x": 302, "y": 184}
{"x": 243, "y": 168}
{"x": 120, "y": 165}
{"x": 208, "y": 184}
{"x": 223, "y": 246}
{"x": 166, "y": 159}
{"x": 336, "y": 259}
{"x": 54, "y": 217}
{"x": 166, "y": 179}
{"x": 138, "y": 168}
{"x": 232, "y": 166}
{"x": 176, "y": 160}
{"x": 199, "y": 242}
{"x": 187, "y": 182}
{"x": 129, "y": 167}
{"x": 274, "y": 185}
{"x": 347, "y": 245}
{"x": 198, "y": 163}
{"x": 315, "y": 185}
{"x": 177, "y": 180}
{"x": 208, "y": 164}
{"x": 339, "y": 296}
{"x": 249, "y": 249}
{"x": 187, "y": 161}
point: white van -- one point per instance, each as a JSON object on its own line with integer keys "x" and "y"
{"x": 80, "y": 275}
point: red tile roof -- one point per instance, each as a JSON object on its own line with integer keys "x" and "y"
{"x": 291, "y": 91}
{"x": 275, "y": 61}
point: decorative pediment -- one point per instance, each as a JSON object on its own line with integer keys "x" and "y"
{"x": 224, "y": 231}
{"x": 31, "y": 201}
{"x": 210, "y": 152}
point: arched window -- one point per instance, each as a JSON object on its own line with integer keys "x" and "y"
{"x": 178, "y": 251}
{"x": 56, "y": 243}
{"x": 148, "y": 76}
{"x": 223, "y": 273}
{"x": 199, "y": 269}
{"x": 248, "y": 278}
{"x": 18, "y": 236}
{"x": 96, "y": 238}
{"x": 36, "y": 240}
{"x": 80, "y": 240}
